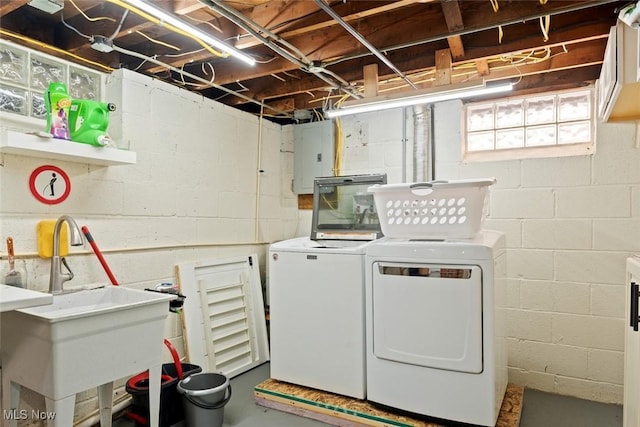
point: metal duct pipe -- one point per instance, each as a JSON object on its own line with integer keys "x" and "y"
{"x": 431, "y": 148}
{"x": 404, "y": 144}
{"x": 422, "y": 143}
{"x": 324, "y": 6}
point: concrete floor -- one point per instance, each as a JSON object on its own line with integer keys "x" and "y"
{"x": 539, "y": 409}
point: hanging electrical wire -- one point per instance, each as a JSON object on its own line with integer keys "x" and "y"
{"x": 117, "y": 30}
{"x": 178, "y": 55}
{"x": 545, "y": 21}
{"x": 161, "y": 43}
{"x": 72, "y": 28}
{"x": 496, "y": 6}
{"x": 99, "y": 18}
{"x": 184, "y": 73}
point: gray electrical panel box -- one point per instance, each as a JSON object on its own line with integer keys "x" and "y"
{"x": 313, "y": 146}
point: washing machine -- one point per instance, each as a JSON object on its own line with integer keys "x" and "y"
{"x": 317, "y": 315}
{"x": 316, "y": 290}
{"x": 435, "y": 326}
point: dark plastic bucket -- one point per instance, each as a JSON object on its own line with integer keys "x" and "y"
{"x": 171, "y": 409}
{"x": 204, "y": 398}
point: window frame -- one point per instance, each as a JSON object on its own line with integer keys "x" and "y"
{"x": 29, "y": 118}
{"x": 543, "y": 151}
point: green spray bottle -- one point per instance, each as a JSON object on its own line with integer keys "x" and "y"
{"x": 57, "y": 103}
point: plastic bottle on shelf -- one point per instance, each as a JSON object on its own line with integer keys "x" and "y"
{"x": 57, "y": 103}
{"x": 88, "y": 122}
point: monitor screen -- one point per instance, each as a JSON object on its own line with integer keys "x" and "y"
{"x": 343, "y": 209}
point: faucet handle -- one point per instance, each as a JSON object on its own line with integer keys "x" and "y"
{"x": 69, "y": 276}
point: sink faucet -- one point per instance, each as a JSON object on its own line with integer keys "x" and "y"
{"x": 57, "y": 277}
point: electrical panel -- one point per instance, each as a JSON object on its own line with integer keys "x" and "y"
{"x": 313, "y": 156}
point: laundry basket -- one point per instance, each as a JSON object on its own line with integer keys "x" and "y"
{"x": 431, "y": 210}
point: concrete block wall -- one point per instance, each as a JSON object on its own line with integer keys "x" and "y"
{"x": 373, "y": 144}
{"x": 192, "y": 195}
{"x": 570, "y": 223}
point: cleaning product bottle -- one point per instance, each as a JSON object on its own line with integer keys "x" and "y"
{"x": 88, "y": 121}
{"x": 57, "y": 102}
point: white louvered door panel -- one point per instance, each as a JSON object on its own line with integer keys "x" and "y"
{"x": 225, "y": 328}
{"x": 227, "y": 324}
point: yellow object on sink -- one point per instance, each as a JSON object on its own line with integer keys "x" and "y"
{"x": 44, "y": 231}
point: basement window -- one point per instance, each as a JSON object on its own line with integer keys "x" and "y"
{"x": 553, "y": 124}
{"x": 25, "y": 76}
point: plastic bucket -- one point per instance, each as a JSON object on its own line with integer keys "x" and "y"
{"x": 204, "y": 398}
{"x": 171, "y": 410}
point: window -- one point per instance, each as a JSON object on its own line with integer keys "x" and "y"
{"x": 25, "y": 76}
{"x": 543, "y": 125}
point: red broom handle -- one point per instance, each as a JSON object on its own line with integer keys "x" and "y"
{"x": 94, "y": 246}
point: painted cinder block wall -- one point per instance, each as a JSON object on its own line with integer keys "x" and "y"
{"x": 570, "y": 223}
{"x": 190, "y": 196}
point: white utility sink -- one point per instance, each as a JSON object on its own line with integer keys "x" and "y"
{"x": 82, "y": 340}
{"x": 94, "y": 302}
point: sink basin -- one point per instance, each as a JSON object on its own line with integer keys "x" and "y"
{"x": 94, "y": 302}
{"x": 82, "y": 340}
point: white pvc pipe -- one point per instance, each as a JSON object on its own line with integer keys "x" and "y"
{"x": 256, "y": 230}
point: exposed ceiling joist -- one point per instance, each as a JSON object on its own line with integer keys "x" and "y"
{"x": 407, "y": 32}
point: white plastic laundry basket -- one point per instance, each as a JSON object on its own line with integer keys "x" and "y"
{"x": 431, "y": 210}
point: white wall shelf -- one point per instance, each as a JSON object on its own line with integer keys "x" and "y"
{"x": 32, "y": 145}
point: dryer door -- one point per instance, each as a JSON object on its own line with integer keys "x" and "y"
{"x": 428, "y": 315}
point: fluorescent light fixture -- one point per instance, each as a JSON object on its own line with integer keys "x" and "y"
{"x": 427, "y": 96}
{"x": 170, "y": 19}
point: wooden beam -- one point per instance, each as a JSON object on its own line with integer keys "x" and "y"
{"x": 370, "y": 73}
{"x": 287, "y": 104}
{"x": 7, "y": 7}
{"x": 456, "y": 47}
{"x": 443, "y": 67}
{"x": 453, "y": 17}
{"x": 556, "y": 80}
{"x": 482, "y": 66}
{"x": 580, "y": 55}
{"x": 183, "y": 7}
{"x": 452, "y": 14}
{"x": 480, "y": 45}
{"x": 274, "y": 14}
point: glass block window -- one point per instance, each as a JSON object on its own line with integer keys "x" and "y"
{"x": 545, "y": 120}
{"x": 25, "y": 75}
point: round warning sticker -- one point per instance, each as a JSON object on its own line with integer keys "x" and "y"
{"x": 50, "y": 184}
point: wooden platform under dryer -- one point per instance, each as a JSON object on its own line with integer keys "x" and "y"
{"x": 344, "y": 411}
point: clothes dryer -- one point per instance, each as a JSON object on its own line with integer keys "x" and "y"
{"x": 435, "y": 326}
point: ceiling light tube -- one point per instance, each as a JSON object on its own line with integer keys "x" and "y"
{"x": 432, "y": 96}
{"x": 170, "y": 19}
